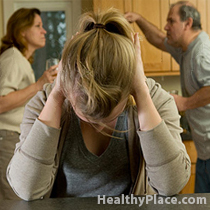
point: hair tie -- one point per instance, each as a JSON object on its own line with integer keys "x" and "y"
{"x": 99, "y": 25}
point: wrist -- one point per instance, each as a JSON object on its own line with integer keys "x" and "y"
{"x": 139, "y": 20}
{"x": 57, "y": 96}
{"x": 140, "y": 91}
{"x": 38, "y": 86}
{"x": 185, "y": 104}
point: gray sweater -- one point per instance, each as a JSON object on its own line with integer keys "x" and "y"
{"x": 158, "y": 159}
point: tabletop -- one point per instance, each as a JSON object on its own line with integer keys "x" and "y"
{"x": 180, "y": 202}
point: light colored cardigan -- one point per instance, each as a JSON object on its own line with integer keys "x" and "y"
{"x": 158, "y": 159}
{"x": 15, "y": 74}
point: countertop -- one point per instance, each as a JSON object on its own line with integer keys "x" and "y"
{"x": 181, "y": 201}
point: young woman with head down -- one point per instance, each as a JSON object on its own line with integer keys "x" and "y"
{"x": 103, "y": 128}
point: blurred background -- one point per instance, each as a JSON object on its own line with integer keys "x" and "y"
{"x": 60, "y": 18}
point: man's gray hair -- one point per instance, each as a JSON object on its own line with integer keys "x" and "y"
{"x": 187, "y": 10}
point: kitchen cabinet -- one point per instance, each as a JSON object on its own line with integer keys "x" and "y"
{"x": 156, "y": 62}
{"x": 121, "y": 5}
{"x": 191, "y": 150}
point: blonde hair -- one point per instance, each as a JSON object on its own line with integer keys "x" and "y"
{"x": 99, "y": 64}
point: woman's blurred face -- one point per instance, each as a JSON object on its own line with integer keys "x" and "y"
{"x": 35, "y": 35}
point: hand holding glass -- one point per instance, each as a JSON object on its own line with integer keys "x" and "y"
{"x": 51, "y": 62}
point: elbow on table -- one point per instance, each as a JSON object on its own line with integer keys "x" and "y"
{"x": 20, "y": 191}
{"x": 172, "y": 181}
{"x": 172, "y": 190}
{"x": 25, "y": 193}
{"x": 23, "y": 190}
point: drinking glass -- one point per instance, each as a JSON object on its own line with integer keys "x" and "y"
{"x": 51, "y": 62}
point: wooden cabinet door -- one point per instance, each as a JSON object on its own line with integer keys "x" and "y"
{"x": 155, "y": 11}
{"x": 207, "y": 17}
{"x": 203, "y": 7}
{"x": 156, "y": 62}
{"x": 121, "y": 5}
{"x": 191, "y": 150}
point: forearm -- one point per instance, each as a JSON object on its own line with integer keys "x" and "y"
{"x": 51, "y": 113}
{"x": 31, "y": 172}
{"x": 17, "y": 98}
{"x": 166, "y": 159}
{"x": 199, "y": 99}
{"x": 154, "y": 35}
{"x": 147, "y": 114}
{"x": 162, "y": 147}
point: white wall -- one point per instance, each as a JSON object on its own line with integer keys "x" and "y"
{"x": 169, "y": 83}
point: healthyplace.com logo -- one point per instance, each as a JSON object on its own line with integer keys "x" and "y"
{"x": 150, "y": 199}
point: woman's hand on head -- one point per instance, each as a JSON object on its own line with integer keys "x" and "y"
{"x": 57, "y": 91}
{"x": 139, "y": 84}
{"x": 51, "y": 113}
{"x": 148, "y": 115}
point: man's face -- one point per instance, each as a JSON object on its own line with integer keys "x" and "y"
{"x": 175, "y": 28}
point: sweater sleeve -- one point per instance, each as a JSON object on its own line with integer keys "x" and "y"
{"x": 167, "y": 162}
{"x": 31, "y": 171}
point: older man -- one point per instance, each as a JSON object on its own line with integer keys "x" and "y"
{"x": 190, "y": 47}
